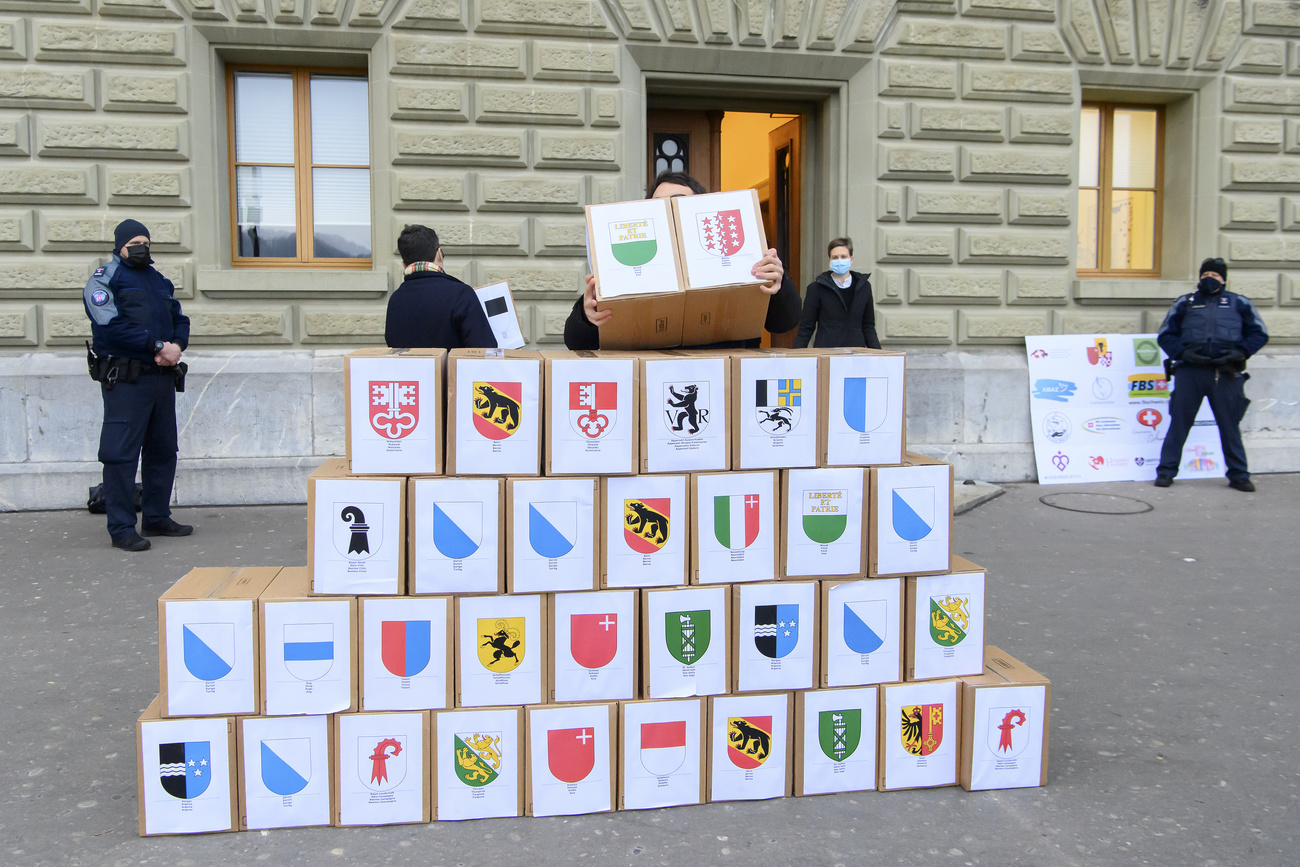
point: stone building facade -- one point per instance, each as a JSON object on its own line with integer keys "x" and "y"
{"x": 941, "y": 134}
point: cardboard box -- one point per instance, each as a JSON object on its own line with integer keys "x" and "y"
{"x": 663, "y": 753}
{"x": 406, "y": 653}
{"x": 775, "y": 412}
{"x": 862, "y": 640}
{"x": 835, "y": 740}
{"x": 356, "y": 532}
{"x": 394, "y": 416}
{"x": 911, "y": 518}
{"x": 775, "y": 637}
{"x": 175, "y": 796}
{"x": 920, "y": 734}
{"x": 551, "y": 535}
{"x": 734, "y": 538}
{"x": 824, "y": 519}
{"x": 1006, "y": 712}
{"x": 207, "y": 642}
{"x": 685, "y": 649}
{"x": 945, "y": 623}
{"x": 479, "y": 763}
{"x": 383, "y": 769}
{"x": 494, "y": 409}
{"x": 632, "y": 249}
{"x": 456, "y": 544}
{"x": 285, "y": 778}
{"x": 684, "y": 412}
{"x": 866, "y": 408}
{"x": 309, "y": 649}
{"x": 572, "y": 759}
{"x": 644, "y": 530}
{"x": 593, "y": 646}
{"x": 720, "y": 238}
{"x": 502, "y": 315}
{"x": 500, "y": 651}
{"x": 591, "y": 413}
{"x": 750, "y": 740}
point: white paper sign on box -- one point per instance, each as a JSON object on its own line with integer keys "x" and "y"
{"x": 911, "y": 511}
{"x": 863, "y": 633}
{"x": 210, "y": 659}
{"x": 721, "y": 238}
{"x": 456, "y": 543}
{"x": 836, "y": 743}
{"x": 552, "y": 529}
{"x": 383, "y": 768}
{"x": 1007, "y": 741}
{"x": 496, "y": 427}
{"x": 594, "y": 646}
{"x": 479, "y": 756}
{"x": 394, "y": 412}
{"x": 405, "y": 653}
{"x": 825, "y": 528}
{"x": 663, "y": 753}
{"x": 947, "y": 625}
{"x": 286, "y": 771}
{"x": 571, "y": 759}
{"x": 646, "y": 525}
{"x": 776, "y": 635}
{"x": 776, "y": 412}
{"x": 185, "y": 775}
{"x": 357, "y": 537}
{"x": 865, "y": 418}
{"x": 631, "y": 247}
{"x": 735, "y": 527}
{"x": 307, "y": 653}
{"x": 686, "y": 642}
{"x": 500, "y": 650}
{"x": 684, "y": 414}
{"x": 749, "y": 739}
{"x": 591, "y": 412}
{"x": 920, "y": 728}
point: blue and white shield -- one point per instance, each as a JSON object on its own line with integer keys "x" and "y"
{"x": 866, "y": 402}
{"x": 866, "y": 625}
{"x": 309, "y": 649}
{"x": 185, "y": 769}
{"x": 457, "y": 529}
{"x": 776, "y": 629}
{"x": 286, "y": 765}
{"x": 553, "y": 528}
{"x": 208, "y": 649}
{"x": 913, "y": 510}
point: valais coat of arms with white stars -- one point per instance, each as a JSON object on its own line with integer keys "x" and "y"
{"x": 721, "y": 232}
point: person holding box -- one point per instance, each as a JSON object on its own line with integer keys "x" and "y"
{"x": 582, "y": 328}
{"x": 432, "y": 309}
{"x": 839, "y": 304}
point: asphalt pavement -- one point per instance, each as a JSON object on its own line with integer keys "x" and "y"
{"x": 1166, "y": 633}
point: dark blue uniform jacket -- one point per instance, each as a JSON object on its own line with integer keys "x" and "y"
{"x": 1212, "y": 325}
{"x": 131, "y": 309}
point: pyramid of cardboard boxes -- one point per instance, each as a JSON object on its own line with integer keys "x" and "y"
{"x": 550, "y": 583}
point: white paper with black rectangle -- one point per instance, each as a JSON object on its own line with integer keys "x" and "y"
{"x": 210, "y": 657}
{"x": 646, "y": 526}
{"x": 749, "y": 762}
{"x": 499, "y": 307}
{"x": 1007, "y": 741}
{"x": 777, "y": 412}
{"x": 865, "y": 413}
{"x": 777, "y": 637}
{"x": 864, "y": 622}
{"x": 839, "y": 740}
{"x": 688, "y": 636}
{"x": 595, "y": 646}
{"x": 662, "y": 743}
{"x": 824, "y": 523}
{"x": 480, "y": 764}
{"x": 404, "y": 664}
{"x": 357, "y": 537}
{"x": 209, "y": 809}
{"x": 381, "y": 768}
{"x": 286, "y": 775}
{"x": 457, "y": 528}
{"x": 307, "y": 648}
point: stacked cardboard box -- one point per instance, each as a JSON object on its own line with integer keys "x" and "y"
{"x": 648, "y": 579}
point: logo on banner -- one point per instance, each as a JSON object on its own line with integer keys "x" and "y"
{"x": 645, "y": 524}
{"x": 1152, "y": 385}
{"x": 185, "y": 769}
{"x": 497, "y": 408}
{"x": 825, "y": 514}
{"x": 687, "y": 635}
{"x": 478, "y": 757}
{"x": 735, "y": 520}
{"x": 1146, "y": 352}
{"x": 502, "y": 648}
{"x": 457, "y": 529}
{"x": 1102, "y": 388}
{"x": 1009, "y": 732}
{"x": 1039, "y": 353}
{"x": 1201, "y": 459}
{"x": 1150, "y": 418}
{"x": 1103, "y": 425}
{"x": 208, "y": 649}
{"x": 922, "y": 728}
{"x": 1056, "y": 427}
{"x": 949, "y": 619}
{"x": 1099, "y": 353}
{"x": 386, "y": 758}
{"x": 571, "y": 753}
{"x": 286, "y": 765}
{"x": 1097, "y": 462}
{"x": 663, "y": 746}
{"x": 686, "y": 408}
{"x": 593, "y": 408}
{"x": 866, "y": 625}
{"x": 309, "y": 649}
{"x": 394, "y": 408}
{"x": 776, "y": 629}
{"x": 355, "y": 537}
{"x": 553, "y": 528}
{"x": 593, "y": 639}
{"x": 777, "y": 404}
{"x": 721, "y": 232}
{"x": 1060, "y": 460}
{"x": 913, "y": 512}
{"x": 839, "y": 732}
{"x": 866, "y": 402}
{"x": 405, "y": 646}
{"x": 633, "y": 242}
{"x": 1058, "y": 390}
{"x": 749, "y": 740}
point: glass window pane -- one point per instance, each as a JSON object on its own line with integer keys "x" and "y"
{"x": 1087, "y": 254}
{"x": 341, "y": 210}
{"x": 340, "y": 121}
{"x": 1134, "y": 149}
{"x": 266, "y": 212}
{"x": 1089, "y": 147}
{"x": 1132, "y": 231}
{"x": 263, "y": 117}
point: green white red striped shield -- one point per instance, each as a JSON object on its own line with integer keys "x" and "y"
{"x": 735, "y": 520}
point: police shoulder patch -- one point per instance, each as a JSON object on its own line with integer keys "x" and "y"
{"x": 99, "y": 297}
{"x": 99, "y": 272}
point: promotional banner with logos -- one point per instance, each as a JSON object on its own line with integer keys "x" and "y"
{"x": 1099, "y": 406}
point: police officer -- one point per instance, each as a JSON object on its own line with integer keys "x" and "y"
{"x": 139, "y": 334}
{"x": 1208, "y": 335}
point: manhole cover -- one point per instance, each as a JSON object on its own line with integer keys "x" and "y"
{"x": 1096, "y": 504}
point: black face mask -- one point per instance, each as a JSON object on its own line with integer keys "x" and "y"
{"x": 138, "y": 256}
{"x": 1209, "y": 285}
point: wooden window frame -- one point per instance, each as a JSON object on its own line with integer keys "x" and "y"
{"x": 302, "y": 171}
{"x": 1105, "y": 188}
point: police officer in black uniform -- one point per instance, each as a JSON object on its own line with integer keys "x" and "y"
{"x": 139, "y": 334}
{"x": 1208, "y": 335}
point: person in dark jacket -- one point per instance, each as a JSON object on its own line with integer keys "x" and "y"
{"x": 432, "y": 309}
{"x": 582, "y": 328}
{"x": 839, "y": 304}
{"x": 1208, "y": 335}
{"x": 138, "y": 334}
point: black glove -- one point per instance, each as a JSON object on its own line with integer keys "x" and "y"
{"x": 1191, "y": 356}
{"x": 1231, "y": 359}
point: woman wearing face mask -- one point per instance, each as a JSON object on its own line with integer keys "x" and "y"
{"x": 838, "y": 304}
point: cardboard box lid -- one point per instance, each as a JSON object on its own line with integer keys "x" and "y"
{"x": 331, "y": 468}
{"x": 198, "y": 583}
{"x": 292, "y": 584}
{"x": 1003, "y": 669}
{"x": 479, "y": 352}
{"x": 915, "y": 459}
{"x": 153, "y": 711}
{"x": 958, "y": 563}
{"x": 389, "y": 352}
{"x": 247, "y": 583}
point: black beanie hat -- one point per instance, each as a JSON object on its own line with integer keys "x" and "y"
{"x": 1218, "y": 266}
{"x": 125, "y": 231}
